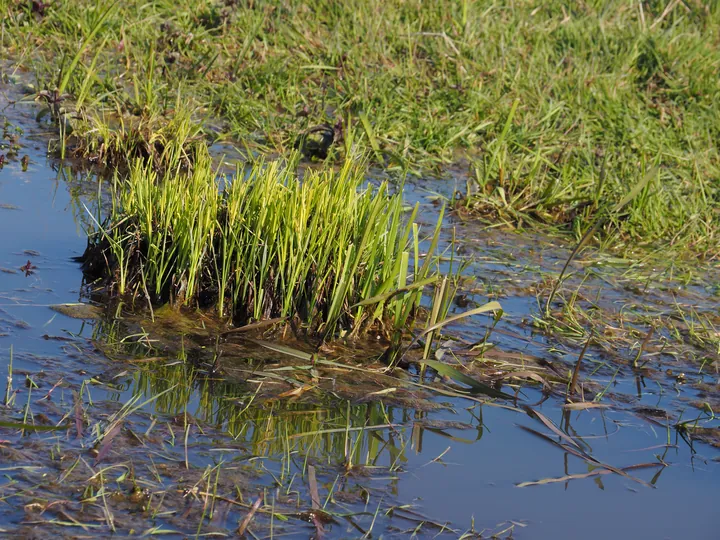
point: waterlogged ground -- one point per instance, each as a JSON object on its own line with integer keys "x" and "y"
{"x": 113, "y": 421}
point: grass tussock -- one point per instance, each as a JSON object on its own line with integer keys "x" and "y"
{"x": 264, "y": 244}
{"x": 116, "y": 143}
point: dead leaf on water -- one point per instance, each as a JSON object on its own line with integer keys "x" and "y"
{"x": 532, "y": 413}
{"x": 584, "y": 405}
{"x": 596, "y": 472}
{"x": 295, "y": 392}
{"x": 382, "y": 392}
{"x": 528, "y": 375}
{"x": 78, "y": 310}
{"x": 260, "y": 325}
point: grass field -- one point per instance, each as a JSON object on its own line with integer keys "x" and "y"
{"x": 550, "y": 112}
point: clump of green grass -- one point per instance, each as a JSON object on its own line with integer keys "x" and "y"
{"x": 265, "y": 244}
{"x": 160, "y": 142}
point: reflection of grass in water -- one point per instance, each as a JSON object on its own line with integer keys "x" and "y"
{"x": 123, "y": 472}
{"x": 273, "y": 426}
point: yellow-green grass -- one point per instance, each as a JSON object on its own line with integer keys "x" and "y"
{"x": 264, "y": 243}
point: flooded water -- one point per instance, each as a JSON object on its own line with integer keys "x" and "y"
{"x": 113, "y": 422}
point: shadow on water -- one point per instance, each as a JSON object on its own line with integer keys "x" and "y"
{"x": 113, "y": 422}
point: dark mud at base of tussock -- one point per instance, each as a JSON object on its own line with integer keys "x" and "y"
{"x": 147, "y": 433}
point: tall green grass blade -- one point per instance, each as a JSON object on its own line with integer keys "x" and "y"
{"x": 490, "y": 306}
{"x": 371, "y": 136}
{"x": 390, "y": 294}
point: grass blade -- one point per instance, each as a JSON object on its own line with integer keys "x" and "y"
{"x": 476, "y": 387}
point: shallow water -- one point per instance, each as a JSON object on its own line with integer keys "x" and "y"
{"x": 459, "y": 465}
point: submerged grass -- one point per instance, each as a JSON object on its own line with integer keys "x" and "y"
{"x": 167, "y": 448}
{"x": 143, "y": 470}
{"x": 558, "y": 108}
{"x": 266, "y": 244}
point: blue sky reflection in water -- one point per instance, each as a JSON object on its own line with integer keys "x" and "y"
{"x": 449, "y": 480}
{"x": 38, "y": 226}
{"x": 480, "y": 479}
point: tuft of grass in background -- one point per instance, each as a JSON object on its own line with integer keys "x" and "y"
{"x": 535, "y": 96}
{"x": 265, "y": 244}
